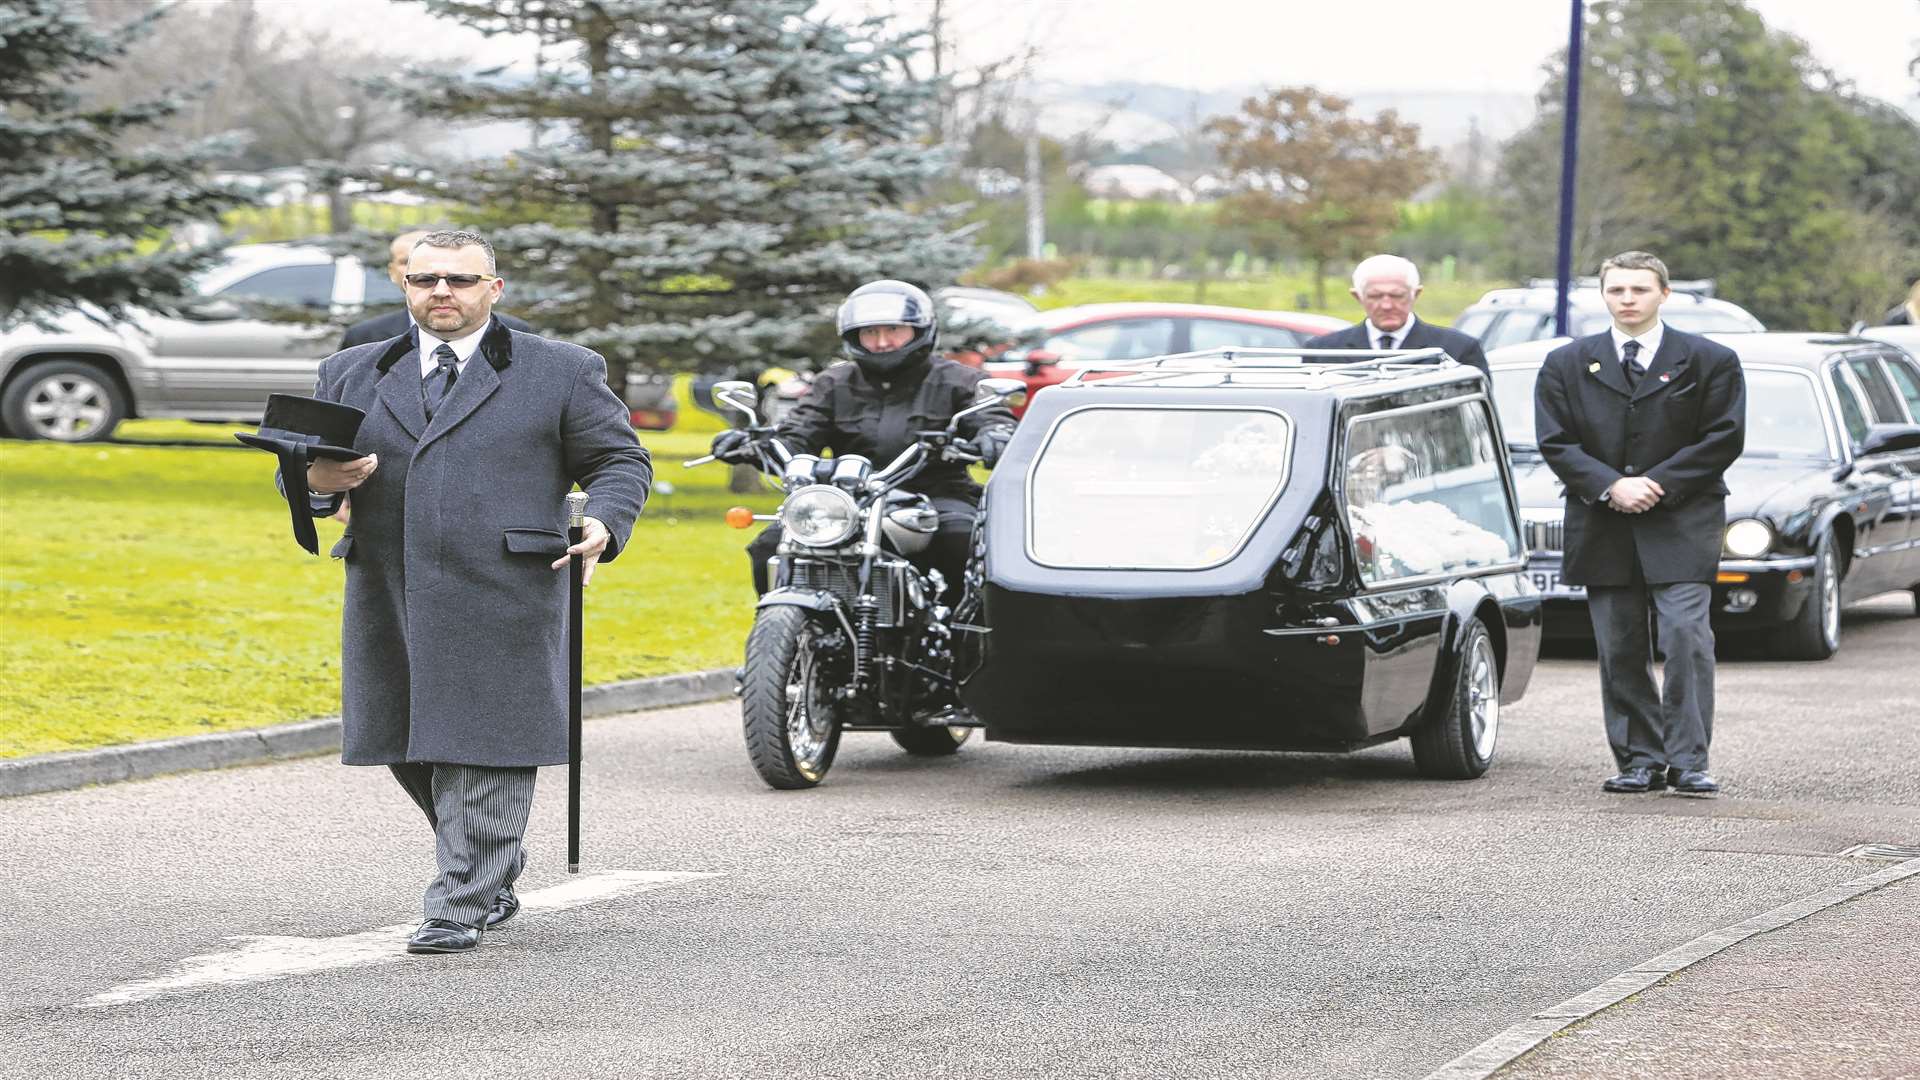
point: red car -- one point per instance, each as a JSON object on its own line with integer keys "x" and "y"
{"x": 1092, "y": 333}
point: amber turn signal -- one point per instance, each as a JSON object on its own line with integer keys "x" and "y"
{"x": 739, "y": 517}
{"x": 1730, "y": 577}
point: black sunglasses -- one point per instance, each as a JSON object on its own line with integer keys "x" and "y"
{"x": 456, "y": 281}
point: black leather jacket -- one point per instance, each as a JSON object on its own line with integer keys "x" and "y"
{"x": 848, "y": 413}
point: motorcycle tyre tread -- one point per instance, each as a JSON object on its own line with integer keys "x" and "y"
{"x": 763, "y": 700}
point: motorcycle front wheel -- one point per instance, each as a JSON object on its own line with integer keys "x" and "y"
{"x": 786, "y": 700}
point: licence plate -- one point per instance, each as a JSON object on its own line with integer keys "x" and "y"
{"x": 1549, "y": 584}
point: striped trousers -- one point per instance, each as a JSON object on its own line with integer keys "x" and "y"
{"x": 479, "y": 814}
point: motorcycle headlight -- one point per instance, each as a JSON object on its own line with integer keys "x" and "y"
{"x": 819, "y": 516}
{"x": 1749, "y": 538}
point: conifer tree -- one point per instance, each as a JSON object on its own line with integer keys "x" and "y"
{"x": 710, "y": 180}
{"x": 85, "y": 202}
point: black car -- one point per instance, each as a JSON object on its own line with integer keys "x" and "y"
{"x": 1233, "y": 549}
{"x": 1825, "y": 503}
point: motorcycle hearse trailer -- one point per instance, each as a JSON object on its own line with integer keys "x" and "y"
{"x": 1254, "y": 549}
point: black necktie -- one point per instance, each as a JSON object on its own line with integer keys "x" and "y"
{"x": 1386, "y": 342}
{"x": 439, "y": 381}
{"x": 1627, "y": 354}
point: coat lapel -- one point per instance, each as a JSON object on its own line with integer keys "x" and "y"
{"x": 1665, "y": 369}
{"x": 399, "y": 391}
{"x": 1603, "y": 363}
{"x": 477, "y": 383}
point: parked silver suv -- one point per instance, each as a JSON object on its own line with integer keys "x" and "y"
{"x": 76, "y": 383}
{"x": 1510, "y": 316}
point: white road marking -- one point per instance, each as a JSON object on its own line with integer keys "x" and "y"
{"x": 264, "y": 959}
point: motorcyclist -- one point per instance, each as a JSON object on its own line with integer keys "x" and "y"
{"x": 893, "y": 387}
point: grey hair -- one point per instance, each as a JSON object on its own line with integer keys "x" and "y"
{"x": 457, "y": 238}
{"x": 1385, "y": 266}
{"x": 1634, "y": 260}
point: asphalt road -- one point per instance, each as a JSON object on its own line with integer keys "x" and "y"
{"x": 1011, "y": 912}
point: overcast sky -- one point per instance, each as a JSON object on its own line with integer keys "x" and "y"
{"x": 1339, "y": 45}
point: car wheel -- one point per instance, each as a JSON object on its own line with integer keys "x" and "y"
{"x": 1814, "y": 634}
{"x": 1458, "y": 743}
{"x": 63, "y": 401}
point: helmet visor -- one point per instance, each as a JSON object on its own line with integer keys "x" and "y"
{"x": 883, "y": 309}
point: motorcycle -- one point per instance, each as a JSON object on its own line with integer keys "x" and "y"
{"x": 852, "y": 636}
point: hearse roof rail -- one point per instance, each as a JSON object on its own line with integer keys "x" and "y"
{"x": 1159, "y": 370}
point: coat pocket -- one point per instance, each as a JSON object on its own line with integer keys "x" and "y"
{"x": 536, "y": 542}
{"x": 343, "y": 546}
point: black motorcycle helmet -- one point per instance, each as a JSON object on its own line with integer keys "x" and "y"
{"x": 888, "y": 303}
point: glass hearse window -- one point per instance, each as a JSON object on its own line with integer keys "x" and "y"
{"x": 1226, "y": 334}
{"x": 1153, "y": 488}
{"x": 1906, "y": 376}
{"x": 1783, "y": 416}
{"x": 1851, "y": 414}
{"x": 1425, "y": 494}
{"x": 1886, "y": 403}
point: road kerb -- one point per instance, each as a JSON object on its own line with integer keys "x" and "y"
{"x": 1496, "y": 1053}
{"x": 305, "y": 738}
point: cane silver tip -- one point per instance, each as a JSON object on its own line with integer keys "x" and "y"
{"x": 576, "y": 508}
{"x": 573, "y": 868}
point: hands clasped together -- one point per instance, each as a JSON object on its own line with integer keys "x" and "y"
{"x": 1635, "y": 494}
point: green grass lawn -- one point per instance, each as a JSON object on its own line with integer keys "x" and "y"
{"x": 149, "y": 592}
{"x": 1440, "y": 302}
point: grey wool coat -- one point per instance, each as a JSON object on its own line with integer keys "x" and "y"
{"x": 453, "y": 642}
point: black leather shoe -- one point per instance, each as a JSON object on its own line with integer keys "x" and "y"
{"x": 505, "y": 905}
{"x": 443, "y": 935}
{"x": 1635, "y": 781}
{"x": 1693, "y": 782}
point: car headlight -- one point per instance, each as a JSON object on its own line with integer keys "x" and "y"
{"x": 1749, "y": 538}
{"x": 819, "y": 516}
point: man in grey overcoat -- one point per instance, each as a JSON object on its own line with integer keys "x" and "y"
{"x": 454, "y": 668}
{"x": 1640, "y": 422}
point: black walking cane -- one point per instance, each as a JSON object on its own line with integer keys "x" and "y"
{"x": 576, "y": 526}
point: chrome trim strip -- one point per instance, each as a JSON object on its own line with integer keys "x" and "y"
{"x": 1765, "y": 566}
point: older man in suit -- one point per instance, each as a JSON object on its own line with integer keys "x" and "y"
{"x": 453, "y": 651}
{"x": 1640, "y": 422}
{"x": 394, "y": 323}
{"x": 1387, "y": 286}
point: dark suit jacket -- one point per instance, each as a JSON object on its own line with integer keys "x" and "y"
{"x": 1682, "y": 425}
{"x": 394, "y": 323}
{"x": 1424, "y": 335}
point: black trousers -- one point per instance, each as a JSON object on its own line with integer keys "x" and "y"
{"x": 947, "y": 553}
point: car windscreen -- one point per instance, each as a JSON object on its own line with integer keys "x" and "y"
{"x": 1783, "y": 412}
{"x": 1151, "y": 488}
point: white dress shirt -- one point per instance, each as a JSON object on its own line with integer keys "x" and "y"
{"x": 1396, "y": 339}
{"x": 1649, "y": 343}
{"x": 463, "y": 348}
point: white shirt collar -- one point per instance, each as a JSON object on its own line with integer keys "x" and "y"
{"x": 463, "y": 348}
{"x": 1399, "y": 336}
{"x": 1649, "y": 343}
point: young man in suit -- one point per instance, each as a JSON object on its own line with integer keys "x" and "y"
{"x": 1387, "y": 286}
{"x": 394, "y": 323}
{"x": 1640, "y": 422}
{"x": 453, "y": 674}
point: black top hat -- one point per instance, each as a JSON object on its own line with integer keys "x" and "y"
{"x": 297, "y": 430}
{"x": 324, "y": 428}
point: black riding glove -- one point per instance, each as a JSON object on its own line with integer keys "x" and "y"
{"x": 990, "y": 444}
{"x": 735, "y": 447}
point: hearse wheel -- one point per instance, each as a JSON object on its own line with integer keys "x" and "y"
{"x": 1814, "y": 634}
{"x": 786, "y": 700}
{"x": 932, "y": 741}
{"x": 1458, "y": 743}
